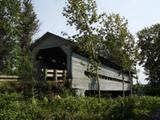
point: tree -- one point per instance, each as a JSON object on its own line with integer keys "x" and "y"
{"x": 118, "y": 43}
{"x": 28, "y": 25}
{"x": 83, "y": 15}
{"x": 9, "y": 10}
{"x": 18, "y": 23}
{"x": 101, "y": 35}
{"x": 149, "y": 44}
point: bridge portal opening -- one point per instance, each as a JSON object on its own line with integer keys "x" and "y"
{"x": 53, "y": 63}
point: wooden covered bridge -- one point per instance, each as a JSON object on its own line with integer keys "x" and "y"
{"x": 56, "y": 60}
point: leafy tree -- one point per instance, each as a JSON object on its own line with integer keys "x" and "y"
{"x": 18, "y": 23}
{"x": 8, "y": 34}
{"x": 102, "y": 34}
{"x": 83, "y": 15}
{"x": 28, "y": 25}
{"x": 118, "y": 43}
{"x": 149, "y": 44}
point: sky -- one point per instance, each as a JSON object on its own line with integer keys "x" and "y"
{"x": 139, "y": 13}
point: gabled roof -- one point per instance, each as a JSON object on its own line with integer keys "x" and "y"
{"x": 46, "y": 35}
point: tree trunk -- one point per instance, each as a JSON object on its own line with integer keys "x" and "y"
{"x": 98, "y": 86}
{"x": 123, "y": 93}
{"x": 123, "y": 84}
{"x": 131, "y": 82}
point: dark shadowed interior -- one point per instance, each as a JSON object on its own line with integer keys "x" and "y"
{"x": 52, "y": 58}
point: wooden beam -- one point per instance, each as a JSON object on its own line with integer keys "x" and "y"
{"x": 64, "y": 75}
{"x": 55, "y": 74}
{"x": 45, "y": 73}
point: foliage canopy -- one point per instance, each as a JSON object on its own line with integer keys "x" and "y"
{"x": 100, "y": 35}
{"x": 18, "y": 23}
{"x": 149, "y": 44}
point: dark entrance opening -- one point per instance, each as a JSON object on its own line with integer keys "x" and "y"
{"x": 106, "y": 94}
{"x": 53, "y": 63}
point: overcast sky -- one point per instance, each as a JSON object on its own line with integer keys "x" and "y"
{"x": 139, "y": 13}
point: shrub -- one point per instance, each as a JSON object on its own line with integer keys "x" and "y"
{"x": 15, "y": 107}
{"x": 132, "y": 108}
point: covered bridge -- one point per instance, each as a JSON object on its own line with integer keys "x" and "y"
{"x": 55, "y": 57}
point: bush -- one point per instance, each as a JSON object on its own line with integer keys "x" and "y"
{"x": 133, "y": 108}
{"x": 15, "y": 107}
{"x": 10, "y": 87}
{"x": 37, "y": 89}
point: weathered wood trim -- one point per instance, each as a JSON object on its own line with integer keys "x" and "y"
{"x": 8, "y": 78}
